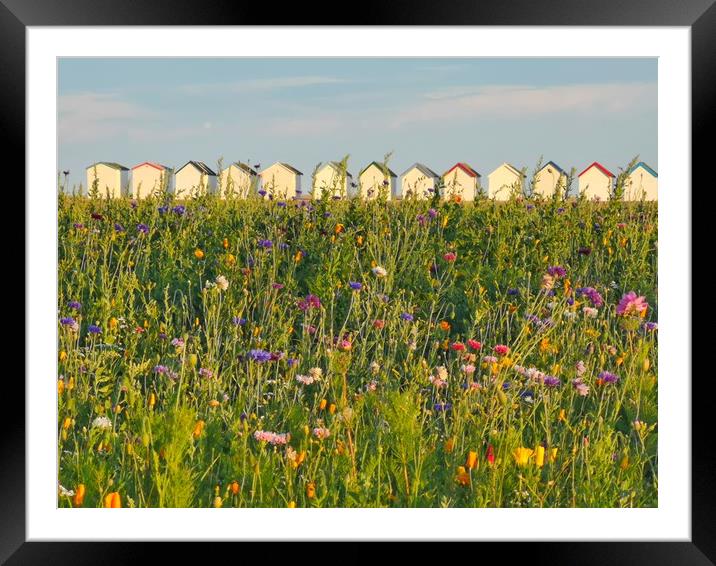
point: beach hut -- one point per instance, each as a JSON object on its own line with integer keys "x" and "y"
{"x": 641, "y": 183}
{"x": 280, "y": 181}
{"x": 237, "y": 180}
{"x": 149, "y": 177}
{"x": 374, "y": 178}
{"x": 462, "y": 181}
{"x": 596, "y": 182}
{"x": 194, "y": 177}
{"x": 418, "y": 182}
{"x": 505, "y": 181}
{"x": 331, "y": 178}
{"x": 549, "y": 178}
{"x": 108, "y": 178}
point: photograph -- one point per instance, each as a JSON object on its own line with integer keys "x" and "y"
{"x": 357, "y": 282}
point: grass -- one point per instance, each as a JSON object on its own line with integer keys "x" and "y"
{"x": 174, "y": 362}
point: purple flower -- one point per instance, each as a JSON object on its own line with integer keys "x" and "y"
{"x": 551, "y": 381}
{"x": 650, "y": 326}
{"x": 513, "y": 292}
{"x": 179, "y": 210}
{"x": 143, "y": 228}
{"x": 207, "y": 373}
{"x": 262, "y": 193}
{"x": 442, "y": 407}
{"x": 432, "y": 213}
{"x": 592, "y": 294}
{"x": 160, "y": 369}
{"x": 163, "y": 209}
{"x": 283, "y": 246}
{"x": 266, "y": 244}
{"x": 76, "y": 305}
{"x": 608, "y": 377}
{"x": 118, "y": 227}
{"x": 94, "y": 329}
{"x": 355, "y": 285}
{"x": 260, "y": 356}
{"x": 407, "y": 316}
{"x": 310, "y": 302}
{"x": 78, "y": 226}
{"x": 421, "y": 219}
{"x": 238, "y": 321}
{"x": 584, "y": 250}
{"x": 71, "y": 322}
{"x": 282, "y": 204}
{"x": 291, "y": 362}
{"x": 556, "y": 271}
{"x": 580, "y": 387}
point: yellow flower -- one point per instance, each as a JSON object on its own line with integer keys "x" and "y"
{"x": 63, "y": 356}
{"x": 198, "y": 428}
{"x": 552, "y": 455}
{"x": 112, "y": 500}
{"x": 539, "y": 456}
{"x": 113, "y": 323}
{"x": 230, "y": 260}
{"x": 291, "y": 504}
{"x": 624, "y": 464}
{"x": 359, "y": 240}
{"x": 214, "y": 403}
{"x": 218, "y": 502}
{"x": 339, "y": 228}
{"x": 152, "y": 400}
{"x": 646, "y": 365}
{"x": 226, "y": 243}
{"x": 66, "y": 423}
{"x": 471, "y": 463}
{"x": 311, "y": 490}
{"x": 332, "y": 408}
{"x": 522, "y": 455}
{"x": 322, "y": 404}
{"x": 298, "y": 256}
{"x": 199, "y": 254}
{"x": 562, "y": 417}
{"x": 60, "y": 386}
{"x": 462, "y": 477}
{"x": 79, "y": 495}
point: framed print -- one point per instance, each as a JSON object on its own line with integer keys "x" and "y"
{"x": 422, "y": 278}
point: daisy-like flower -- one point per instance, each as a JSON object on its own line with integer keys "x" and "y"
{"x": 102, "y": 423}
{"x": 305, "y": 379}
{"x": 315, "y": 373}
{"x": 379, "y": 271}
{"x": 222, "y": 282}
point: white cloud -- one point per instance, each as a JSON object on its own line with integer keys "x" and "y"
{"x": 518, "y": 101}
{"x": 89, "y": 116}
{"x": 260, "y": 85}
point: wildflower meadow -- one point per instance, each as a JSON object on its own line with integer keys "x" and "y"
{"x": 347, "y": 353}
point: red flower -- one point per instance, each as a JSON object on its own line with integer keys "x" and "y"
{"x": 378, "y": 323}
{"x": 450, "y": 256}
{"x": 458, "y": 346}
{"x": 501, "y": 350}
{"x": 474, "y": 344}
{"x": 490, "y": 455}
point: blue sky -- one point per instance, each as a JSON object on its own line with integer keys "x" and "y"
{"x": 308, "y": 110}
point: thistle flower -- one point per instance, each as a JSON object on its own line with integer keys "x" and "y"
{"x": 75, "y": 305}
{"x": 71, "y": 323}
{"x": 556, "y": 271}
{"x": 94, "y": 329}
{"x": 142, "y": 228}
{"x": 607, "y": 377}
{"x": 355, "y": 285}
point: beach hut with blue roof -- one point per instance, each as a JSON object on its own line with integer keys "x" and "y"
{"x": 548, "y": 179}
{"x": 642, "y": 183}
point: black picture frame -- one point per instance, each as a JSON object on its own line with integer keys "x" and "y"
{"x": 699, "y": 15}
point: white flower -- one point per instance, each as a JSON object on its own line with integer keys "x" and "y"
{"x": 65, "y": 492}
{"x": 590, "y": 312}
{"x": 102, "y": 423}
{"x": 315, "y": 373}
{"x": 379, "y": 271}
{"x": 374, "y": 367}
{"x": 305, "y": 379}
{"x": 569, "y": 315}
{"x": 222, "y": 282}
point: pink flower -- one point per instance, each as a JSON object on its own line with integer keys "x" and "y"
{"x": 450, "y": 256}
{"x": 501, "y": 350}
{"x": 631, "y": 304}
{"x": 321, "y": 433}
{"x": 474, "y": 344}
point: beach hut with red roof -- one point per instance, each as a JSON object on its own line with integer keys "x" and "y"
{"x": 462, "y": 181}
{"x": 596, "y": 182}
{"x": 149, "y": 177}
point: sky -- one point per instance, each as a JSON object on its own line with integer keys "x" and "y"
{"x": 306, "y": 111}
